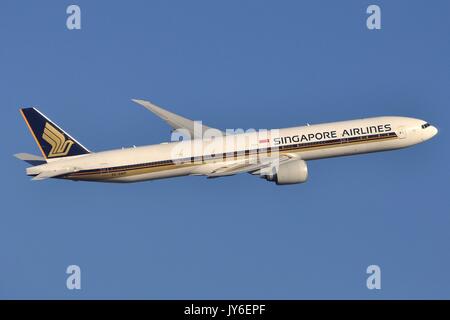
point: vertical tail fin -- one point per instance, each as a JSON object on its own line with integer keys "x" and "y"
{"x": 53, "y": 141}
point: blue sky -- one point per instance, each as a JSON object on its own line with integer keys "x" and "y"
{"x": 258, "y": 64}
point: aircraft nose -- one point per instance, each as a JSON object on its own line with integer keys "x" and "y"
{"x": 434, "y": 131}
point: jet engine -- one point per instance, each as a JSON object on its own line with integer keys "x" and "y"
{"x": 293, "y": 171}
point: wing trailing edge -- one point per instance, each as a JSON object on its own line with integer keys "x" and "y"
{"x": 174, "y": 120}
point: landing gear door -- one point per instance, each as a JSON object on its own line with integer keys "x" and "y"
{"x": 401, "y": 132}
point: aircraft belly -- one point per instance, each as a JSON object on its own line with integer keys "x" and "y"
{"x": 136, "y": 175}
{"x": 153, "y": 175}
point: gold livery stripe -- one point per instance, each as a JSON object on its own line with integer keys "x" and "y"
{"x": 107, "y": 173}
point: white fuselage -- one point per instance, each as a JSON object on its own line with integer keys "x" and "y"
{"x": 200, "y": 156}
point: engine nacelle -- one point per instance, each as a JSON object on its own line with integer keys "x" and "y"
{"x": 293, "y": 171}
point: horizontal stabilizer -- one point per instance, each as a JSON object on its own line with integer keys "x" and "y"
{"x": 54, "y": 173}
{"x": 30, "y": 158}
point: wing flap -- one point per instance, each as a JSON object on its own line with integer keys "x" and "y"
{"x": 245, "y": 166}
{"x": 236, "y": 169}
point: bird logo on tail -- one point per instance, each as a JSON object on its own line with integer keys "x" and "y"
{"x": 60, "y": 145}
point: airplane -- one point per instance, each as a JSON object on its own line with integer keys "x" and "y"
{"x": 277, "y": 155}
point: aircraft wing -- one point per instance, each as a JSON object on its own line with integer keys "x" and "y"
{"x": 253, "y": 168}
{"x": 174, "y": 120}
{"x": 235, "y": 169}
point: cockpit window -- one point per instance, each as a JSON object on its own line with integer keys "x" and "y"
{"x": 426, "y": 125}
